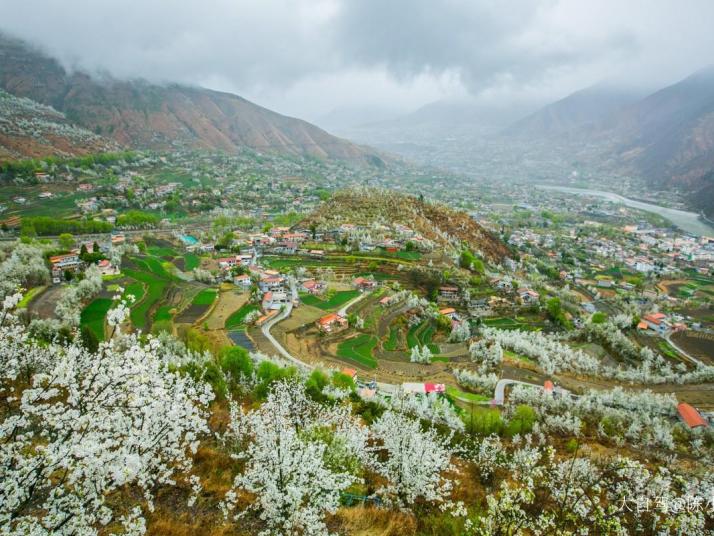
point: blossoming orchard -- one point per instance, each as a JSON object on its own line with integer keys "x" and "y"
{"x": 383, "y": 365}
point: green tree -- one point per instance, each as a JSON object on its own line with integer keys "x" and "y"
{"x": 236, "y": 362}
{"x": 66, "y": 241}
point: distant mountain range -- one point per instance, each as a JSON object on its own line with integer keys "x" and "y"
{"x": 666, "y": 137}
{"x": 138, "y": 114}
{"x": 582, "y": 110}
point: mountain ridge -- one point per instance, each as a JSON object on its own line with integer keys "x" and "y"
{"x": 143, "y": 115}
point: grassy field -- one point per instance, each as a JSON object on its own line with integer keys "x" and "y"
{"x": 93, "y": 316}
{"x": 463, "y": 396}
{"x": 159, "y": 251}
{"x": 155, "y": 288}
{"x": 163, "y": 313}
{"x": 421, "y": 335}
{"x": 335, "y": 301}
{"x": 191, "y": 261}
{"x": 504, "y": 323}
{"x": 391, "y": 343}
{"x": 29, "y": 296}
{"x": 236, "y": 320}
{"x": 205, "y": 297}
{"x": 135, "y": 289}
{"x": 359, "y": 349}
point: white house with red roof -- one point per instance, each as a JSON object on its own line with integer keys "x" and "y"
{"x": 332, "y": 323}
{"x": 363, "y": 283}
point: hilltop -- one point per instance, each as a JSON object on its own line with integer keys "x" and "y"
{"x": 140, "y": 115}
{"x": 435, "y": 222}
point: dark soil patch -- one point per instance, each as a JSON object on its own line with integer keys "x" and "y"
{"x": 192, "y": 313}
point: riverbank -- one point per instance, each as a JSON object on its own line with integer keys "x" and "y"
{"x": 689, "y": 222}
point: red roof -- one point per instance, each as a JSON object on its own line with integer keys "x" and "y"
{"x": 329, "y": 319}
{"x": 690, "y": 416}
{"x": 642, "y": 325}
{"x": 385, "y": 300}
{"x": 447, "y": 311}
{"x": 655, "y": 318}
{"x": 352, "y": 373}
{"x": 434, "y": 387}
{"x": 548, "y": 386}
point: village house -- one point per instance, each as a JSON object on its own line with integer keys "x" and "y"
{"x": 656, "y": 322}
{"x": 332, "y": 323}
{"x": 64, "y": 263}
{"x": 107, "y": 268}
{"x": 314, "y": 287}
{"x": 527, "y": 295}
{"x": 363, "y": 284}
{"x": 449, "y": 293}
{"x": 502, "y": 283}
{"x": 271, "y": 283}
{"x": 449, "y": 312}
{"x": 226, "y": 263}
{"x": 242, "y": 281}
{"x": 274, "y": 300}
{"x": 690, "y": 416}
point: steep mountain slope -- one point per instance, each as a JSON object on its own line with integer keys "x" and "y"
{"x": 30, "y": 129}
{"x": 143, "y": 115}
{"x": 580, "y": 110}
{"x": 436, "y": 222}
{"x": 669, "y": 135}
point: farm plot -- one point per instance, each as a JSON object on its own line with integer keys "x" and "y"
{"x": 93, "y": 316}
{"x": 237, "y": 319}
{"x": 335, "y": 301}
{"x": 359, "y": 350}
{"x": 421, "y": 335}
{"x": 154, "y": 289}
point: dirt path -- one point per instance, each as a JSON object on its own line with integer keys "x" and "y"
{"x": 43, "y": 305}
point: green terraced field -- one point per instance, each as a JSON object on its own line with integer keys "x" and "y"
{"x": 391, "y": 343}
{"x": 135, "y": 289}
{"x": 359, "y": 349}
{"x": 93, "y": 316}
{"x": 457, "y": 394}
{"x": 155, "y": 289}
{"x": 337, "y": 300}
{"x": 205, "y": 297}
{"x": 421, "y": 335}
{"x": 235, "y": 321}
{"x": 191, "y": 261}
{"x": 158, "y": 251}
{"x": 163, "y": 313}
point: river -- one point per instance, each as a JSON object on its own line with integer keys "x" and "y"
{"x": 689, "y": 222}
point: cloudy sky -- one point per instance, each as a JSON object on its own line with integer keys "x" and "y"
{"x": 308, "y": 57}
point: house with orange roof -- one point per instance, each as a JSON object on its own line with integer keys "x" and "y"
{"x": 332, "y": 323}
{"x": 690, "y": 416}
{"x": 657, "y": 322}
{"x": 450, "y": 312}
{"x": 314, "y": 287}
{"x": 364, "y": 284}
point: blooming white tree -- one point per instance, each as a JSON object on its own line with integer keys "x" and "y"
{"x": 69, "y": 306}
{"x": 299, "y": 457}
{"x": 460, "y": 332}
{"x": 86, "y": 425}
{"x": 420, "y": 354}
{"x": 412, "y": 460}
{"x": 24, "y": 265}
